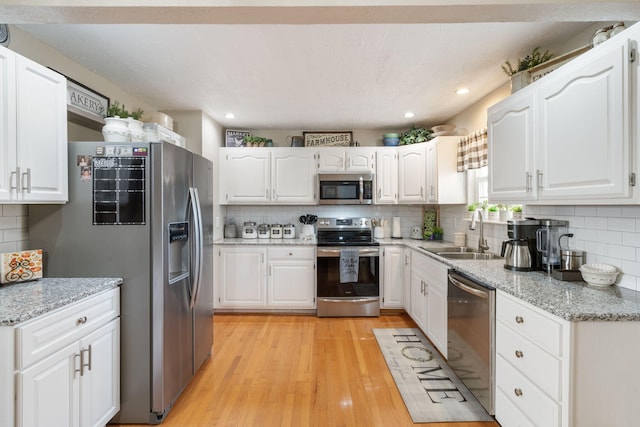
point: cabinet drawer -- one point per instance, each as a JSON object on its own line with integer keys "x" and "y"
{"x": 507, "y": 414}
{"x": 524, "y": 395}
{"x": 536, "y": 364}
{"x": 291, "y": 252}
{"x": 45, "y": 334}
{"x": 542, "y": 329}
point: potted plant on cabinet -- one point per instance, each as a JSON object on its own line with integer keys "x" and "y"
{"x": 471, "y": 208}
{"x": 519, "y": 75}
{"x": 437, "y": 233}
{"x": 116, "y": 128}
{"x": 493, "y": 213}
{"x": 516, "y": 211}
{"x": 415, "y": 135}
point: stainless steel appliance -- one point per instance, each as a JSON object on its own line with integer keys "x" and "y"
{"x": 548, "y": 242}
{"x": 520, "y": 251}
{"x": 142, "y": 212}
{"x": 471, "y": 336}
{"x": 348, "y": 273}
{"x": 345, "y": 189}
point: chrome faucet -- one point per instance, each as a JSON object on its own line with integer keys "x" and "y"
{"x": 482, "y": 242}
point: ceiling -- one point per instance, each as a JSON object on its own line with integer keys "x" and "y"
{"x": 283, "y": 71}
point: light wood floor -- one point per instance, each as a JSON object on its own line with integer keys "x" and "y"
{"x": 296, "y": 370}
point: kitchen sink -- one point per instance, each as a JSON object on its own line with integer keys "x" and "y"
{"x": 467, "y": 255}
{"x": 459, "y": 252}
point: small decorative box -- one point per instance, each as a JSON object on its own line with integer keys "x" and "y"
{"x": 20, "y": 266}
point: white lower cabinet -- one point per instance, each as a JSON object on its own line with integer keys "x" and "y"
{"x": 261, "y": 277}
{"x": 292, "y": 278}
{"x": 68, "y": 365}
{"x": 552, "y": 372}
{"x": 428, "y": 306}
{"x": 392, "y": 287}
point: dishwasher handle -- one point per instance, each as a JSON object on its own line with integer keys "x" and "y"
{"x": 468, "y": 289}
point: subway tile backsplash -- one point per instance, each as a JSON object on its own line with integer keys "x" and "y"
{"x": 13, "y": 228}
{"x": 608, "y": 234}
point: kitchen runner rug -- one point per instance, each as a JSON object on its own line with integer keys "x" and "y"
{"x": 431, "y": 391}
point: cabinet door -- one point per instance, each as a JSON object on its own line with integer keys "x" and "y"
{"x": 393, "y": 277}
{"x": 360, "y": 160}
{"x": 583, "y": 150}
{"x": 411, "y": 174}
{"x": 242, "y": 278}
{"x": 419, "y": 291}
{"x": 407, "y": 280}
{"x": 445, "y": 185}
{"x": 291, "y": 284}
{"x": 7, "y": 123}
{"x": 48, "y": 392}
{"x": 511, "y": 148}
{"x": 436, "y": 280}
{"x": 293, "y": 176}
{"x": 387, "y": 175}
{"x": 41, "y": 132}
{"x": 331, "y": 159}
{"x": 245, "y": 176}
{"x": 100, "y": 380}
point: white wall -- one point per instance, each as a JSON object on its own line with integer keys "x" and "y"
{"x": 364, "y": 137}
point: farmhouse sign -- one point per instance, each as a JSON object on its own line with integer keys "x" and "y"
{"x": 321, "y": 139}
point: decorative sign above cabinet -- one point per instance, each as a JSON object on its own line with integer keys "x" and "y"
{"x": 323, "y": 139}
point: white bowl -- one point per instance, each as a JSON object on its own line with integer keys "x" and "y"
{"x": 443, "y": 128}
{"x": 600, "y": 275}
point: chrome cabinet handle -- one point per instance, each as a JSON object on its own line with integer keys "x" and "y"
{"x": 379, "y": 192}
{"x": 519, "y": 354}
{"x": 539, "y": 179}
{"x": 27, "y": 187}
{"x": 518, "y": 392}
{"x": 82, "y": 320}
{"x": 528, "y": 178}
{"x": 519, "y": 319}
{"x": 15, "y": 174}
{"x": 421, "y": 192}
{"x": 85, "y": 365}
{"x": 78, "y": 369}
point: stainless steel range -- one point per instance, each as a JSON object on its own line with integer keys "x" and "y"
{"x": 348, "y": 274}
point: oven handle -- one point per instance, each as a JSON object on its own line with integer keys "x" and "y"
{"x": 327, "y": 253}
{"x": 349, "y": 300}
{"x": 468, "y": 289}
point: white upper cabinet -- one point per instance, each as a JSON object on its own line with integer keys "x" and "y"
{"x": 33, "y": 137}
{"x": 293, "y": 176}
{"x": 245, "y": 176}
{"x": 386, "y": 175}
{"x": 346, "y": 159}
{"x": 567, "y": 139}
{"x": 511, "y": 144}
{"x": 583, "y": 145}
{"x": 267, "y": 176}
{"x": 412, "y": 174}
{"x": 445, "y": 185}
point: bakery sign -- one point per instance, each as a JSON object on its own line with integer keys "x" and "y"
{"x": 87, "y": 100}
{"x": 323, "y": 139}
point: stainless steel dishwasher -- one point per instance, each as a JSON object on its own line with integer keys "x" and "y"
{"x": 471, "y": 335}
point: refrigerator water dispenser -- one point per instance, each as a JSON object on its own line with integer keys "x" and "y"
{"x": 178, "y": 251}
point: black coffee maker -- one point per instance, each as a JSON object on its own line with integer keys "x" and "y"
{"x": 520, "y": 252}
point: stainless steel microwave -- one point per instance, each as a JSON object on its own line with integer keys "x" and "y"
{"x": 345, "y": 189}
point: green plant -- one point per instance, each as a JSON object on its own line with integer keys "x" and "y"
{"x": 415, "y": 135}
{"x": 484, "y": 205}
{"x": 254, "y": 141}
{"x": 438, "y": 230}
{"x": 493, "y": 208}
{"x": 516, "y": 208}
{"x": 137, "y": 115}
{"x": 472, "y": 207}
{"x": 531, "y": 60}
{"x": 116, "y": 110}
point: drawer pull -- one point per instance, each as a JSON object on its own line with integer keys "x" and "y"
{"x": 518, "y": 392}
{"x": 519, "y": 354}
{"x": 82, "y": 320}
{"x": 519, "y": 319}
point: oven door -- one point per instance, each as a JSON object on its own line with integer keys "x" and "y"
{"x": 360, "y": 296}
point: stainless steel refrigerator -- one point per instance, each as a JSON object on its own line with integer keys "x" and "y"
{"x": 143, "y": 212}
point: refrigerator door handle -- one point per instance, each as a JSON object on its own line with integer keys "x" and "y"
{"x": 197, "y": 219}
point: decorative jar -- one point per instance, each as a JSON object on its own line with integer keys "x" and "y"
{"x": 116, "y": 129}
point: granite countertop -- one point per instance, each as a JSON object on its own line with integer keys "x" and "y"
{"x": 573, "y": 301}
{"x": 22, "y": 301}
{"x": 298, "y": 241}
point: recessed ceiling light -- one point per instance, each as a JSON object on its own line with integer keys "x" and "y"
{"x": 229, "y": 116}
{"x": 462, "y": 91}
{"x": 409, "y": 114}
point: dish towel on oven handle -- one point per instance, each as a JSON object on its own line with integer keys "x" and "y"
{"x": 349, "y": 264}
